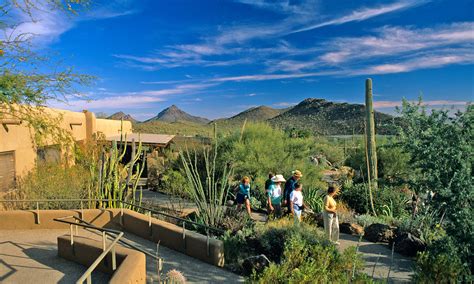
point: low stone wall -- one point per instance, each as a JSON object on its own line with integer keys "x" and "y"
{"x": 169, "y": 235}
{"x": 131, "y": 264}
{"x": 44, "y": 219}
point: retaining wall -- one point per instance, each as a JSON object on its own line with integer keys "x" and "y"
{"x": 169, "y": 235}
{"x": 131, "y": 264}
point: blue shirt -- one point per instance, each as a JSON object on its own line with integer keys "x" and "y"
{"x": 289, "y": 187}
{"x": 245, "y": 190}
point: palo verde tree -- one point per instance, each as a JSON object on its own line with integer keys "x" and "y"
{"x": 25, "y": 88}
{"x": 441, "y": 147}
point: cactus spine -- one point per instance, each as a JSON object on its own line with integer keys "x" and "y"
{"x": 370, "y": 135}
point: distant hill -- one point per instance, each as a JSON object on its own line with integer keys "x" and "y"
{"x": 255, "y": 114}
{"x": 173, "y": 114}
{"x": 121, "y": 115}
{"x": 328, "y": 118}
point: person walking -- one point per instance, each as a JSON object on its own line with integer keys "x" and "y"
{"x": 269, "y": 182}
{"x": 274, "y": 194}
{"x": 243, "y": 194}
{"x": 289, "y": 187}
{"x": 331, "y": 222}
{"x": 296, "y": 202}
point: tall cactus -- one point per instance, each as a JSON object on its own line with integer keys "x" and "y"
{"x": 114, "y": 181}
{"x": 370, "y": 135}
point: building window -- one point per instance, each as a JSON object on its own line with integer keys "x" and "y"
{"x": 49, "y": 154}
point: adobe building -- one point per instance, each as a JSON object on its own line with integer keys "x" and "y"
{"x": 19, "y": 154}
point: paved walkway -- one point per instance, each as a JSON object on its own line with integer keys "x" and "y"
{"x": 32, "y": 257}
{"x": 23, "y": 260}
{"x": 380, "y": 255}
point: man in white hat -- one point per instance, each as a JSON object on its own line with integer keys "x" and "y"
{"x": 274, "y": 194}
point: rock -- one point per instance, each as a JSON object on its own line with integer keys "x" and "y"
{"x": 379, "y": 233}
{"x": 351, "y": 228}
{"x": 408, "y": 245}
{"x": 257, "y": 263}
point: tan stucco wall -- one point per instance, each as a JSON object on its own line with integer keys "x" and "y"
{"x": 19, "y": 138}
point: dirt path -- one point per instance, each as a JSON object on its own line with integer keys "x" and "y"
{"x": 380, "y": 255}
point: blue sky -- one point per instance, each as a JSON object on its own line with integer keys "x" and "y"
{"x": 217, "y": 58}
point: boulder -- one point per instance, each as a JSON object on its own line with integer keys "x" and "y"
{"x": 408, "y": 245}
{"x": 379, "y": 233}
{"x": 351, "y": 228}
{"x": 257, "y": 263}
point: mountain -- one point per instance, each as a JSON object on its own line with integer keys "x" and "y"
{"x": 174, "y": 114}
{"x": 323, "y": 117}
{"x": 121, "y": 115}
{"x": 254, "y": 114}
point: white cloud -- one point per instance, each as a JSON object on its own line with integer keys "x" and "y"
{"x": 284, "y": 104}
{"x": 364, "y": 14}
{"x": 390, "y": 41}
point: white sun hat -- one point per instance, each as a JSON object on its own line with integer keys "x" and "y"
{"x": 278, "y": 178}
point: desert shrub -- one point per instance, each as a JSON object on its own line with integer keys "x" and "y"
{"x": 331, "y": 151}
{"x": 367, "y": 220}
{"x": 356, "y": 197}
{"x": 441, "y": 263}
{"x": 173, "y": 182}
{"x": 390, "y": 201}
{"x": 55, "y": 181}
{"x": 441, "y": 151}
{"x": 262, "y": 149}
{"x": 311, "y": 261}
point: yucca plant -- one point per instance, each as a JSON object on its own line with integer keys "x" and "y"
{"x": 208, "y": 187}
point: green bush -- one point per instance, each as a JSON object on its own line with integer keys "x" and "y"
{"x": 311, "y": 261}
{"x": 441, "y": 263}
{"x": 389, "y": 201}
{"x": 262, "y": 149}
{"x": 174, "y": 183}
{"x": 441, "y": 151}
{"x": 55, "y": 181}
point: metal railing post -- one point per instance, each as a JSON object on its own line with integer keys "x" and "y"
{"x": 184, "y": 235}
{"x": 114, "y": 261}
{"x": 207, "y": 242}
{"x": 37, "y": 213}
{"x": 104, "y": 237}
{"x": 82, "y": 210}
{"x": 121, "y": 214}
{"x": 72, "y": 234}
{"x": 89, "y": 279}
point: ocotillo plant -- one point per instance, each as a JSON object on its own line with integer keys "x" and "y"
{"x": 370, "y": 134}
{"x": 207, "y": 188}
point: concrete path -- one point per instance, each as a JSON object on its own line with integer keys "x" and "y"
{"x": 380, "y": 255}
{"x": 31, "y": 257}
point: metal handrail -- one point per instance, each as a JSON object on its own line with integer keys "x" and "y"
{"x": 37, "y": 201}
{"x": 87, "y": 275}
{"x": 86, "y": 224}
{"x": 123, "y": 241}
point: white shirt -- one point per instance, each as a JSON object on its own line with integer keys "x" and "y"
{"x": 297, "y": 198}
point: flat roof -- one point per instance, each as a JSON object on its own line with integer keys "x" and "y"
{"x": 145, "y": 138}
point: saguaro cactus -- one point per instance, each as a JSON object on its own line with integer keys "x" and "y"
{"x": 370, "y": 135}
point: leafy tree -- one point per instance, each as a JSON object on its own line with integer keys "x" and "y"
{"x": 442, "y": 151}
{"x": 25, "y": 88}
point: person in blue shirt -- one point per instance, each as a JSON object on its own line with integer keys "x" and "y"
{"x": 289, "y": 187}
{"x": 243, "y": 194}
{"x": 274, "y": 197}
